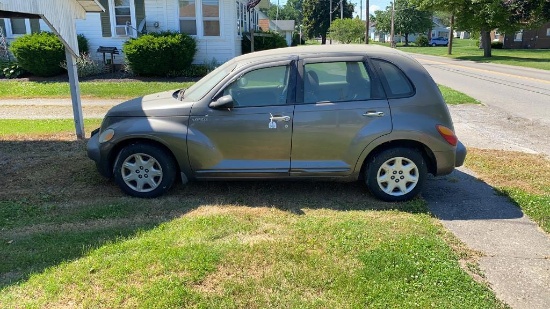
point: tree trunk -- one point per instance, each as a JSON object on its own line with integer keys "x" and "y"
{"x": 406, "y": 39}
{"x": 451, "y": 35}
{"x": 324, "y": 39}
{"x": 486, "y": 42}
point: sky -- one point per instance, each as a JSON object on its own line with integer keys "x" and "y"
{"x": 374, "y": 5}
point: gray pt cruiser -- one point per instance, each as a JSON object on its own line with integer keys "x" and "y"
{"x": 342, "y": 112}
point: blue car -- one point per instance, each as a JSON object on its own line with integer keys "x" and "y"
{"x": 440, "y": 41}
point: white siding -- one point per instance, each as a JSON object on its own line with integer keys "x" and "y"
{"x": 91, "y": 29}
{"x": 165, "y": 13}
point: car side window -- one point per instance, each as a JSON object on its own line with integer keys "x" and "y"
{"x": 261, "y": 87}
{"x": 397, "y": 83}
{"x": 336, "y": 82}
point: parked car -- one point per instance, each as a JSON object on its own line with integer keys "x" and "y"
{"x": 341, "y": 112}
{"x": 440, "y": 41}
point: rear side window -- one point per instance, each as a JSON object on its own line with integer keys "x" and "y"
{"x": 396, "y": 83}
{"x": 336, "y": 82}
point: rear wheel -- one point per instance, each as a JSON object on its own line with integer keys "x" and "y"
{"x": 396, "y": 174}
{"x": 434, "y": 45}
{"x": 143, "y": 170}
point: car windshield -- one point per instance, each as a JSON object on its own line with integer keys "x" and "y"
{"x": 205, "y": 84}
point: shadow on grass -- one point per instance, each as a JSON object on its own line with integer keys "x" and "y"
{"x": 54, "y": 206}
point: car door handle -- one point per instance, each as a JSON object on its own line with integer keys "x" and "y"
{"x": 373, "y": 114}
{"x": 280, "y": 118}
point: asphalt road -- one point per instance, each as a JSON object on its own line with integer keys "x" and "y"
{"x": 522, "y": 92}
{"x": 515, "y": 115}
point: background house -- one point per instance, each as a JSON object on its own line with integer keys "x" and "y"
{"x": 535, "y": 38}
{"x": 217, "y": 25}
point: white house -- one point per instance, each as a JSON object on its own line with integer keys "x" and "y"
{"x": 217, "y": 25}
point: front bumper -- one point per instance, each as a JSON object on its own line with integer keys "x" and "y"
{"x": 460, "y": 155}
{"x": 94, "y": 153}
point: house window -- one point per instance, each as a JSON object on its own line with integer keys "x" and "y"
{"x": 547, "y": 31}
{"x": 211, "y": 17}
{"x": 18, "y": 26}
{"x": 518, "y": 37}
{"x": 122, "y": 17}
{"x": 188, "y": 17}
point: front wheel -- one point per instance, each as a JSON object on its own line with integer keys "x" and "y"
{"x": 396, "y": 174}
{"x": 434, "y": 45}
{"x": 143, "y": 170}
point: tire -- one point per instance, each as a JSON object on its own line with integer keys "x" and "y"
{"x": 396, "y": 174}
{"x": 434, "y": 45}
{"x": 144, "y": 170}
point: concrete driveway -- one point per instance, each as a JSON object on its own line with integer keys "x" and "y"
{"x": 515, "y": 115}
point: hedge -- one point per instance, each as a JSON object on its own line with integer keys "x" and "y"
{"x": 158, "y": 54}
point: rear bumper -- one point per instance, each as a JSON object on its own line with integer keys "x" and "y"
{"x": 460, "y": 155}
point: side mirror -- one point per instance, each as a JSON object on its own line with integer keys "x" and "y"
{"x": 224, "y": 102}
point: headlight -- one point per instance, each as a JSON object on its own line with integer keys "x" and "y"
{"x": 106, "y": 135}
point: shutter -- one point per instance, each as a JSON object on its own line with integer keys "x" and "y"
{"x": 140, "y": 13}
{"x": 35, "y": 25}
{"x": 3, "y": 26}
{"x": 105, "y": 19}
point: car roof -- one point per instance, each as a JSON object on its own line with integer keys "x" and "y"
{"x": 307, "y": 51}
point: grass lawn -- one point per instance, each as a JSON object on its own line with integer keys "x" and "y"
{"x": 454, "y": 97}
{"x": 97, "y": 90}
{"x": 127, "y": 90}
{"x": 69, "y": 238}
{"x": 523, "y": 177}
{"x": 469, "y": 50}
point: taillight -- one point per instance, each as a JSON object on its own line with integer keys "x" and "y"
{"x": 447, "y": 134}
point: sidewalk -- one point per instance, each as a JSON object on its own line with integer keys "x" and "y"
{"x": 53, "y": 108}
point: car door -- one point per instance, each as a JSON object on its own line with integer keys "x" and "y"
{"x": 253, "y": 137}
{"x": 343, "y": 109}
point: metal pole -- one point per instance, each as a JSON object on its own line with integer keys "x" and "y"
{"x": 75, "y": 94}
{"x": 367, "y": 22}
{"x": 341, "y": 9}
{"x": 392, "y": 41}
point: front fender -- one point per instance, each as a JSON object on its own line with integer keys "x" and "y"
{"x": 171, "y": 132}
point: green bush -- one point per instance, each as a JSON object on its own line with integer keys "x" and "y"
{"x": 496, "y": 45}
{"x": 83, "y": 45}
{"x": 158, "y": 54}
{"x": 296, "y": 39}
{"x": 422, "y": 41}
{"x": 12, "y": 70}
{"x": 275, "y": 40}
{"x": 39, "y": 53}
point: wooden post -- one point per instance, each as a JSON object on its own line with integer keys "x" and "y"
{"x": 75, "y": 94}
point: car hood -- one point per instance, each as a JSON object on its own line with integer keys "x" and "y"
{"x": 152, "y": 105}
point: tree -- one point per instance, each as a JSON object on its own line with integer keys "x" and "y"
{"x": 487, "y": 15}
{"x": 407, "y": 19}
{"x": 347, "y": 30}
{"x": 316, "y": 20}
{"x": 292, "y": 10}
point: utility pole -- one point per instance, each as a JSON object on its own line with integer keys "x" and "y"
{"x": 330, "y": 18}
{"x": 361, "y": 9}
{"x": 392, "y": 41}
{"x": 341, "y": 9}
{"x": 367, "y": 22}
